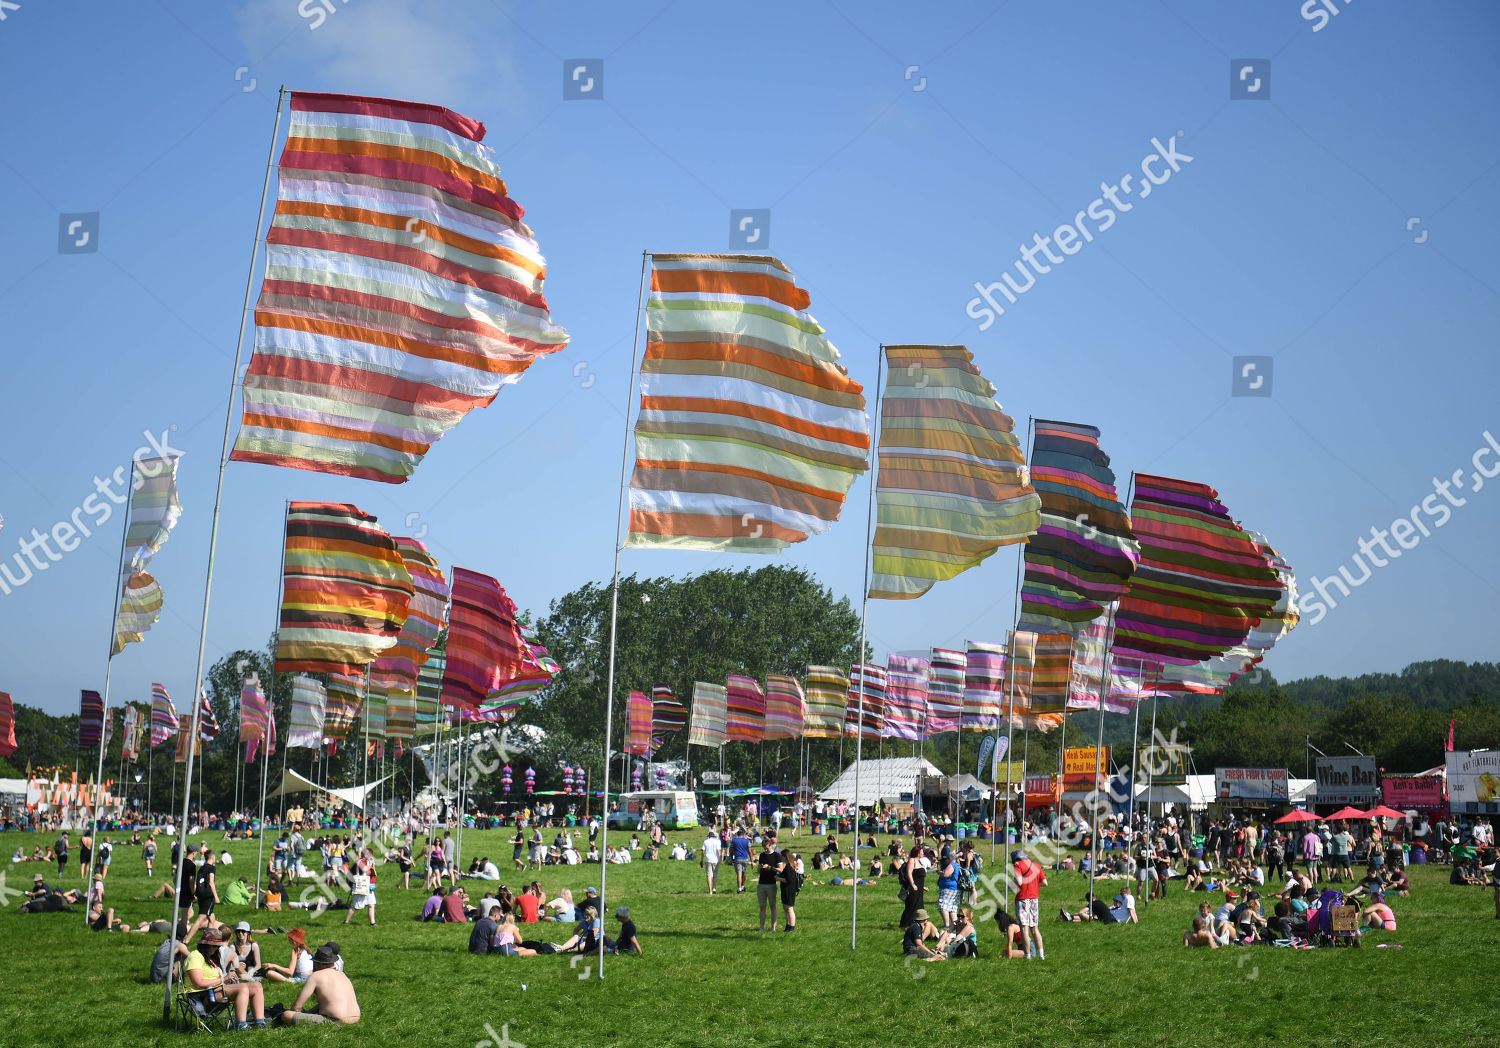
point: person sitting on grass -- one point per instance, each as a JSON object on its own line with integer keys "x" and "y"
{"x": 482, "y": 938}
{"x": 455, "y": 907}
{"x": 1397, "y": 881}
{"x": 963, "y": 937}
{"x": 336, "y": 1000}
{"x": 298, "y": 968}
{"x": 585, "y": 937}
{"x": 166, "y": 958}
{"x": 914, "y": 940}
{"x": 1200, "y": 935}
{"x": 508, "y": 942}
{"x": 201, "y": 972}
{"x": 628, "y": 941}
{"x": 1378, "y": 914}
{"x": 1012, "y": 945}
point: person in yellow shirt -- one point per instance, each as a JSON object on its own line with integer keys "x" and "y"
{"x": 202, "y": 973}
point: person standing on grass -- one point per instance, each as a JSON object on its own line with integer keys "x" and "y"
{"x": 711, "y": 861}
{"x": 947, "y": 887}
{"x": 791, "y": 883}
{"x": 1030, "y": 878}
{"x": 60, "y": 851}
{"x": 770, "y": 864}
{"x": 739, "y": 854}
{"x": 363, "y": 878}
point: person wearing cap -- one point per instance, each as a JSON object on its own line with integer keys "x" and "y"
{"x": 201, "y": 971}
{"x": 1030, "y": 878}
{"x": 947, "y": 887}
{"x": 914, "y": 939}
{"x": 336, "y": 1002}
{"x": 591, "y": 898}
{"x": 627, "y": 941}
{"x": 298, "y": 968}
{"x": 246, "y": 951}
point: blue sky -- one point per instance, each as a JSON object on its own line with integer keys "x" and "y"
{"x": 1344, "y": 226}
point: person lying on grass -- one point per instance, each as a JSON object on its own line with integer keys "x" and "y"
{"x": 102, "y": 920}
{"x": 1200, "y": 935}
{"x": 335, "y": 993}
{"x": 914, "y": 940}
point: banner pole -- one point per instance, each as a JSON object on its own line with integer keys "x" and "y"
{"x": 213, "y": 541}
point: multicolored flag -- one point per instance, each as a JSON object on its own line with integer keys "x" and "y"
{"x": 154, "y": 512}
{"x": 786, "y": 708}
{"x": 865, "y": 714}
{"x": 345, "y": 590}
{"x": 1084, "y": 553}
{"x": 163, "y": 716}
{"x": 309, "y": 702}
{"x": 402, "y": 289}
{"x": 951, "y": 488}
{"x": 984, "y": 686}
{"x": 130, "y": 743}
{"x": 185, "y": 741}
{"x": 7, "y": 725}
{"x": 638, "y": 725}
{"x": 208, "y": 724}
{"x": 945, "y": 691}
{"x": 345, "y": 698}
{"x": 90, "y": 719}
{"x": 426, "y": 615}
{"x": 668, "y": 716}
{"x": 747, "y": 709}
{"x": 750, "y": 434}
{"x": 907, "y": 679}
{"x": 827, "y": 696}
{"x": 709, "y": 725}
{"x": 485, "y": 647}
{"x": 255, "y": 712}
{"x": 1203, "y": 583}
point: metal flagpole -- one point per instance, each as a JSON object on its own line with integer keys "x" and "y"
{"x": 614, "y": 605}
{"x": 463, "y": 783}
{"x": 364, "y": 752}
{"x": 109, "y": 662}
{"x": 213, "y": 539}
{"x": 859, "y": 656}
{"x": 1099, "y": 751}
{"x": 1135, "y": 740}
{"x": 265, "y": 729}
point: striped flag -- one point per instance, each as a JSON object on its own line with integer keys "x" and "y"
{"x": 638, "y": 725}
{"x": 154, "y": 512}
{"x": 867, "y": 685}
{"x": 485, "y": 647}
{"x": 185, "y": 739}
{"x": 163, "y": 716}
{"x": 345, "y": 590}
{"x": 90, "y": 719}
{"x": 827, "y": 695}
{"x": 345, "y": 696}
{"x": 668, "y": 716}
{"x": 402, "y": 289}
{"x": 951, "y": 488}
{"x": 747, "y": 709}
{"x": 984, "y": 686}
{"x": 750, "y": 433}
{"x": 130, "y": 744}
{"x": 208, "y": 724}
{"x": 710, "y": 714}
{"x": 426, "y": 615}
{"x": 907, "y": 679}
{"x": 7, "y": 725}
{"x": 1084, "y": 553}
{"x": 945, "y": 691}
{"x": 255, "y": 711}
{"x": 309, "y": 703}
{"x": 786, "y": 708}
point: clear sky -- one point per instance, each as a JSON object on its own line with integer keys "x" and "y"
{"x": 1341, "y": 219}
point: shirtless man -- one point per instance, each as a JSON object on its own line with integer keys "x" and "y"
{"x": 1200, "y": 935}
{"x": 336, "y": 1001}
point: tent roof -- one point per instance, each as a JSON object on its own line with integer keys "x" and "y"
{"x": 879, "y": 780}
{"x": 354, "y": 796}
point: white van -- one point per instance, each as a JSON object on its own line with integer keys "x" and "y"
{"x": 673, "y": 809}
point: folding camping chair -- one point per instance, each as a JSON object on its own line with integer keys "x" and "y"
{"x": 196, "y": 1012}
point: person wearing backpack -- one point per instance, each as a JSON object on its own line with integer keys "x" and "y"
{"x": 947, "y": 887}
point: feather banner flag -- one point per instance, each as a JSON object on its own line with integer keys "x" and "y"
{"x": 945, "y": 691}
{"x": 747, "y": 709}
{"x": 827, "y": 696}
{"x": 1084, "y": 553}
{"x": 90, "y": 719}
{"x": 255, "y": 711}
{"x": 1203, "y": 583}
{"x": 163, "y": 716}
{"x": 309, "y": 702}
{"x": 345, "y": 590}
{"x": 951, "y": 487}
{"x": 426, "y": 615}
{"x": 984, "y": 686}
{"x": 402, "y": 289}
{"x": 709, "y": 726}
{"x": 485, "y": 646}
{"x": 786, "y": 708}
{"x": 668, "y": 716}
{"x": 7, "y": 725}
{"x": 140, "y": 608}
{"x": 907, "y": 679}
{"x": 638, "y": 725}
{"x": 750, "y": 433}
{"x": 867, "y": 685}
{"x": 154, "y": 512}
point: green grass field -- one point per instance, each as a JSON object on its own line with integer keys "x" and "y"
{"x": 709, "y": 977}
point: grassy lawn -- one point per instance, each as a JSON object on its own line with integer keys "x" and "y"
{"x": 710, "y": 978}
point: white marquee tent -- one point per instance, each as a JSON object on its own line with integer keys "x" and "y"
{"x": 891, "y": 779}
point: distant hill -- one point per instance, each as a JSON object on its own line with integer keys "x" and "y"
{"x": 1439, "y": 684}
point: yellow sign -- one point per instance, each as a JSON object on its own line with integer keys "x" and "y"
{"x": 1085, "y": 760}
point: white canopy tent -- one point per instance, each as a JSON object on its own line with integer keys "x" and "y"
{"x": 354, "y": 796}
{"x": 891, "y": 779}
{"x": 1198, "y": 792}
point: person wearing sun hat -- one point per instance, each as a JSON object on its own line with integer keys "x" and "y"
{"x": 914, "y": 939}
{"x": 299, "y": 967}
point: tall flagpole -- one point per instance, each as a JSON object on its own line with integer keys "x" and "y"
{"x": 1109, "y": 632}
{"x": 614, "y": 604}
{"x": 859, "y": 656}
{"x": 265, "y": 729}
{"x": 109, "y": 662}
{"x": 213, "y": 541}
